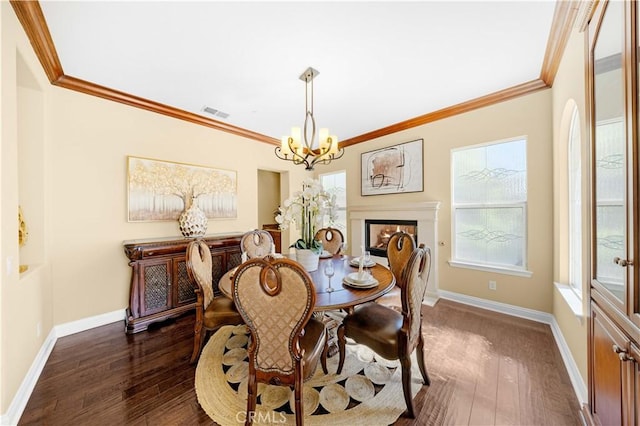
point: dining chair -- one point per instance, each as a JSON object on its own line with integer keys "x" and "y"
{"x": 399, "y": 249}
{"x": 211, "y": 312}
{"x": 276, "y": 298}
{"x": 392, "y": 334}
{"x": 256, "y": 244}
{"x": 331, "y": 239}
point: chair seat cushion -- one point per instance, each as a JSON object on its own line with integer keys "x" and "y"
{"x": 375, "y": 326}
{"x": 221, "y": 311}
{"x": 312, "y": 343}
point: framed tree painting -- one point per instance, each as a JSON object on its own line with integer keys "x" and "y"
{"x": 394, "y": 169}
{"x": 161, "y": 190}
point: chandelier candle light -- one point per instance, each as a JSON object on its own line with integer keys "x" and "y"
{"x": 304, "y": 151}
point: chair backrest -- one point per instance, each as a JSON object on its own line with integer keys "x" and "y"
{"x": 276, "y": 298}
{"x": 256, "y": 244}
{"x": 199, "y": 266}
{"x": 399, "y": 249}
{"x": 331, "y": 239}
{"x": 416, "y": 275}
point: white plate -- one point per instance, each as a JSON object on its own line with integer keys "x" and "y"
{"x": 355, "y": 278}
{"x": 372, "y": 282}
{"x": 356, "y": 262}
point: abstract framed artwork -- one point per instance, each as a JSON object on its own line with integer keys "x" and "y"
{"x": 392, "y": 170}
{"x": 161, "y": 190}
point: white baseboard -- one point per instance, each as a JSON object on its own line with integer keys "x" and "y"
{"x": 89, "y": 323}
{"x": 579, "y": 386}
{"x": 19, "y": 402}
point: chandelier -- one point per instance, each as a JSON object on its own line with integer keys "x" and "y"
{"x": 302, "y": 150}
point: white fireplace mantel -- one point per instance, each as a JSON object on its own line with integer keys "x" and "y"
{"x": 425, "y": 213}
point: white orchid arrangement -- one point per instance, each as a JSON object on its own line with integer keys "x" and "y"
{"x": 307, "y": 209}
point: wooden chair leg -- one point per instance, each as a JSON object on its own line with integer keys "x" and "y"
{"x": 421, "y": 364}
{"x": 297, "y": 391}
{"x": 341, "y": 348}
{"x": 405, "y": 363}
{"x": 252, "y": 394}
{"x": 198, "y": 341}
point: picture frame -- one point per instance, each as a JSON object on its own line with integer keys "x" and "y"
{"x": 393, "y": 170}
{"x": 159, "y": 190}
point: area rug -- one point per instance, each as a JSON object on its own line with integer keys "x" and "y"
{"x": 367, "y": 392}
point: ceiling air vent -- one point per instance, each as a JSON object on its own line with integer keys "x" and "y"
{"x": 215, "y": 112}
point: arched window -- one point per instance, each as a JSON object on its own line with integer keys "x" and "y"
{"x": 575, "y": 204}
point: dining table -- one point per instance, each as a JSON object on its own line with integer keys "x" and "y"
{"x": 343, "y": 296}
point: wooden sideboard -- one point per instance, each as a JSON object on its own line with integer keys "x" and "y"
{"x": 160, "y": 285}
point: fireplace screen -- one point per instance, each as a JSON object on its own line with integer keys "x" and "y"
{"x": 378, "y": 232}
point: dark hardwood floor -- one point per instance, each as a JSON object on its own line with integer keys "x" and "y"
{"x": 485, "y": 368}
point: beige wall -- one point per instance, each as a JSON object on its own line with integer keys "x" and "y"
{"x": 93, "y": 139}
{"x": 528, "y": 116}
{"x": 25, "y": 299}
{"x": 268, "y": 196}
{"x": 83, "y": 271}
{"x": 569, "y": 91}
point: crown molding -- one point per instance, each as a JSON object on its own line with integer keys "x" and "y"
{"x": 494, "y": 98}
{"x": 31, "y": 17}
{"x": 564, "y": 18}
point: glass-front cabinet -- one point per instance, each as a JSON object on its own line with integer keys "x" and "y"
{"x": 610, "y": 157}
{"x": 613, "y": 123}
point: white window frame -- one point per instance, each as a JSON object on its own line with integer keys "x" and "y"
{"x": 489, "y": 267}
{"x": 340, "y": 208}
{"x": 575, "y": 236}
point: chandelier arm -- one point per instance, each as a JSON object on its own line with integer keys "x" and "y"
{"x": 327, "y": 158}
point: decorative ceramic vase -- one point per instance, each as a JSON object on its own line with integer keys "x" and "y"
{"x": 308, "y": 259}
{"x": 193, "y": 222}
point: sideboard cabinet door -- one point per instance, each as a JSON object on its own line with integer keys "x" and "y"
{"x": 184, "y": 291}
{"x": 155, "y": 288}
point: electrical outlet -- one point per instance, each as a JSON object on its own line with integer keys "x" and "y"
{"x": 492, "y": 285}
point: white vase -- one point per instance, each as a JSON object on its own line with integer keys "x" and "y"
{"x": 308, "y": 259}
{"x": 193, "y": 222}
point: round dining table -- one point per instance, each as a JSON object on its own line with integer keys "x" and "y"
{"x": 343, "y": 296}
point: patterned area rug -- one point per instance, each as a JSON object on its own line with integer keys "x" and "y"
{"x": 368, "y": 392}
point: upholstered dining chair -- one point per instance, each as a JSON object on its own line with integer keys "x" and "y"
{"x": 276, "y": 298}
{"x": 399, "y": 249}
{"x": 393, "y": 334}
{"x": 331, "y": 239}
{"x": 211, "y": 312}
{"x": 256, "y": 243}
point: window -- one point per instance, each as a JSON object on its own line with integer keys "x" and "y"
{"x": 489, "y": 206}
{"x": 575, "y": 206}
{"x": 336, "y": 183}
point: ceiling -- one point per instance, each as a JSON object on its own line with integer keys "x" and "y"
{"x": 380, "y": 63}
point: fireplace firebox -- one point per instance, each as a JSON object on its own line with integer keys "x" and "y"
{"x": 377, "y": 233}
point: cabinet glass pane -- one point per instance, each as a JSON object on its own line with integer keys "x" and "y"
{"x": 610, "y": 152}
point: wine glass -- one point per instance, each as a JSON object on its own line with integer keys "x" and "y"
{"x": 367, "y": 261}
{"x": 329, "y": 272}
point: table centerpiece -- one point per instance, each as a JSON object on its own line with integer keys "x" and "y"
{"x": 307, "y": 210}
